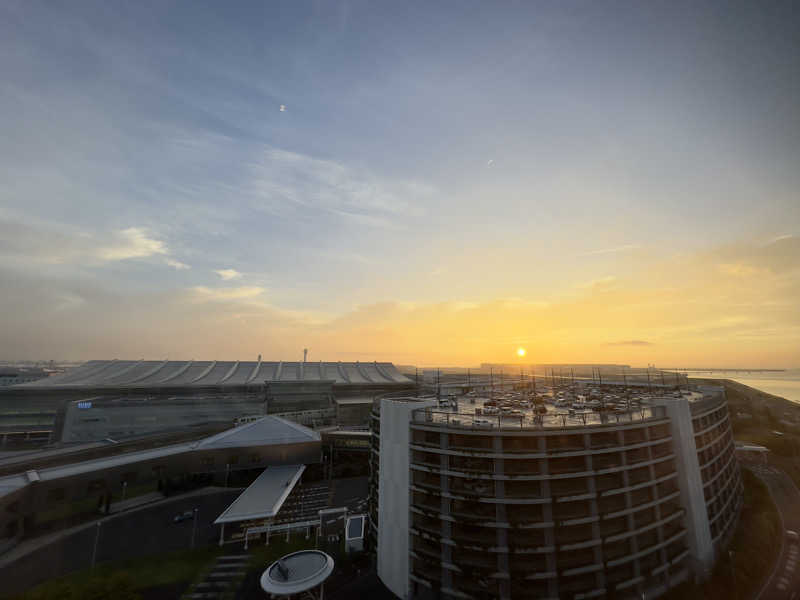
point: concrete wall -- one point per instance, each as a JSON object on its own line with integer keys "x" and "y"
{"x": 393, "y": 495}
{"x": 118, "y": 418}
{"x": 701, "y": 548}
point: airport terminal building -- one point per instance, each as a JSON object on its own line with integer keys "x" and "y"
{"x": 506, "y": 499}
{"x": 120, "y": 399}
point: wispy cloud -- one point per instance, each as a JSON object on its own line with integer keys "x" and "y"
{"x": 202, "y": 293}
{"x": 228, "y": 274}
{"x": 133, "y": 242}
{"x": 60, "y": 244}
{"x": 779, "y": 238}
{"x": 738, "y": 269}
{"x": 600, "y": 282}
{"x": 285, "y": 181}
{"x": 177, "y": 265}
{"x": 624, "y": 248}
{"x": 630, "y": 343}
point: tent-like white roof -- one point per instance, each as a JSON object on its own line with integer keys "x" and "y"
{"x": 265, "y": 496}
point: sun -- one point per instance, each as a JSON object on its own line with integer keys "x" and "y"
{"x": 521, "y": 352}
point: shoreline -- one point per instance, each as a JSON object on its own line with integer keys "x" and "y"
{"x": 742, "y": 396}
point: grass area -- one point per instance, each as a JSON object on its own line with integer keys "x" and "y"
{"x": 125, "y": 580}
{"x": 88, "y": 507}
{"x": 753, "y": 550}
{"x": 66, "y": 510}
{"x": 263, "y": 556}
{"x": 138, "y": 489}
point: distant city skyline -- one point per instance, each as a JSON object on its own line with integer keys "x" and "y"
{"x": 417, "y": 183}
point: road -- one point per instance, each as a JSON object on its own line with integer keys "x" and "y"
{"x": 136, "y": 533}
{"x": 784, "y": 582}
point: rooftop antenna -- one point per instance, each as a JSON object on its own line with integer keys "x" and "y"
{"x": 305, "y": 354}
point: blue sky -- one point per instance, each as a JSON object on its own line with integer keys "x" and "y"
{"x": 427, "y": 155}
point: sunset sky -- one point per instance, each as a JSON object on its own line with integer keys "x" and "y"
{"x": 426, "y": 183}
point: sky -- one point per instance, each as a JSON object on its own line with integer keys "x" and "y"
{"x": 423, "y": 183}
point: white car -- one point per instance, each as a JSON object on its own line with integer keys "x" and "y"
{"x": 184, "y": 516}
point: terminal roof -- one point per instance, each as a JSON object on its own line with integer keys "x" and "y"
{"x": 269, "y": 430}
{"x": 182, "y": 374}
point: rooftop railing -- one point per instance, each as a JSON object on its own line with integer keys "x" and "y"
{"x": 531, "y": 420}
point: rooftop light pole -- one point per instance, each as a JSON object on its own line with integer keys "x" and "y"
{"x": 194, "y": 527}
{"x": 96, "y": 541}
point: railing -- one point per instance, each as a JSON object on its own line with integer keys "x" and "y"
{"x": 430, "y": 416}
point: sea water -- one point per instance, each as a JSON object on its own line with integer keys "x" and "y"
{"x": 785, "y": 384}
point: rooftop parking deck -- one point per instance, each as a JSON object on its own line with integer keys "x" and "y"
{"x": 520, "y": 410}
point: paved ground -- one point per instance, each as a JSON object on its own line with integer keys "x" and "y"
{"x": 784, "y": 583}
{"x": 227, "y": 573}
{"x": 139, "y": 532}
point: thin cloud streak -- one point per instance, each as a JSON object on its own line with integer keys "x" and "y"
{"x": 228, "y": 274}
{"x": 625, "y": 248}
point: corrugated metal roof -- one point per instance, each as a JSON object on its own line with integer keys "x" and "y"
{"x": 144, "y": 374}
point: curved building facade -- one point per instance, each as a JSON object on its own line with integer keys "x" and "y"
{"x": 520, "y": 505}
{"x": 719, "y": 470}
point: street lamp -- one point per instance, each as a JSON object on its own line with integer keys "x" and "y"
{"x": 194, "y": 526}
{"x": 96, "y": 540}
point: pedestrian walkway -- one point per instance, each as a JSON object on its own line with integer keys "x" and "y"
{"x": 224, "y": 577}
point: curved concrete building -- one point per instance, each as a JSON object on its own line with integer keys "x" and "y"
{"x": 524, "y": 504}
